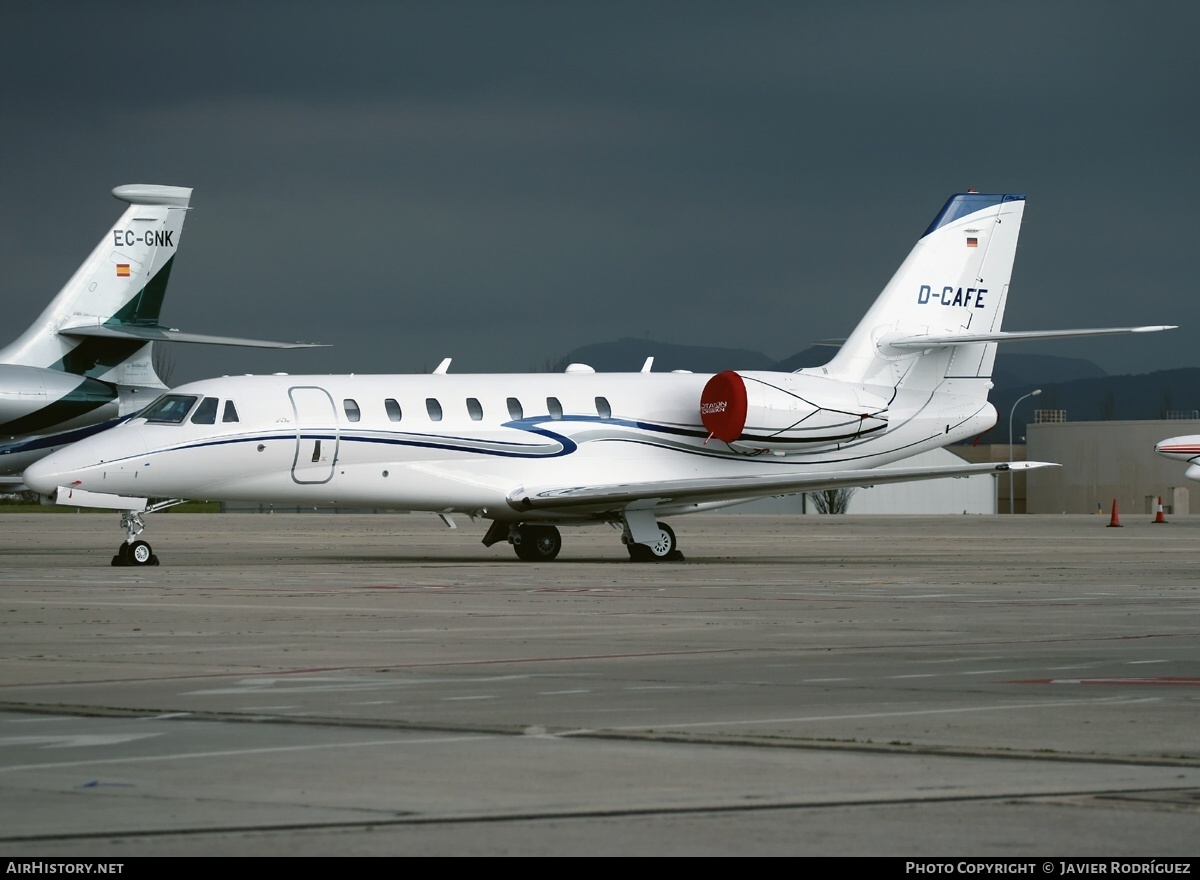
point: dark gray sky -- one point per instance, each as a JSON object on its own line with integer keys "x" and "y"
{"x": 501, "y": 182}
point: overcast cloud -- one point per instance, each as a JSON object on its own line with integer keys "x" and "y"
{"x": 501, "y": 182}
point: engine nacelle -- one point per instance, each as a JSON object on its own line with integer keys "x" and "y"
{"x": 787, "y": 412}
{"x": 27, "y": 394}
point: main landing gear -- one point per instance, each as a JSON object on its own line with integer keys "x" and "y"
{"x": 133, "y": 551}
{"x": 664, "y": 548}
{"x": 646, "y": 539}
{"x": 536, "y": 543}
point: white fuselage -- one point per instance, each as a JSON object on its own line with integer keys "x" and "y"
{"x": 471, "y": 443}
{"x": 1183, "y": 449}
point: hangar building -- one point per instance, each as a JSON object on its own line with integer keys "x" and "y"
{"x": 1107, "y": 461}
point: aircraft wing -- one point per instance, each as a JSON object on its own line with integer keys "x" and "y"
{"x": 616, "y": 495}
{"x": 918, "y": 342}
{"x": 165, "y": 334}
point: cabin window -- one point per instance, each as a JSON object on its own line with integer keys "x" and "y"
{"x": 515, "y": 411}
{"x": 170, "y": 409}
{"x": 230, "y": 413}
{"x": 554, "y": 407}
{"x": 393, "y": 409}
{"x": 475, "y": 408}
{"x": 206, "y": 412}
{"x": 602, "y": 408}
{"x": 433, "y": 408}
{"x": 353, "y": 413}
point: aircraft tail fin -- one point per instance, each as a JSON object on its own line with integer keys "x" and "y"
{"x": 952, "y": 287}
{"x": 122, "y": 283}
{"x": 937, "y": 322}
{"x": 102, "y": 323}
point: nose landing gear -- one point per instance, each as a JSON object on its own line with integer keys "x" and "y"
{"x": 133, "y": 551}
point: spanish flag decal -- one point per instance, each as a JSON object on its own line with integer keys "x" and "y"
{"x": 971, "y": 242}
{"x": 122, "y": 270}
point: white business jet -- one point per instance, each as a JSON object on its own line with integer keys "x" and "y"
{"x": 1183, "y": 449}
{"x": 534, "y": 452}
{"x": 86, "y": 361}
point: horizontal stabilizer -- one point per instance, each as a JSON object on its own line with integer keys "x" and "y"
{"x": 917, "y": 342}
{"x": 165, "y": 334}
{"x": 733, "y": 488}
{"x": 71, "y": 497}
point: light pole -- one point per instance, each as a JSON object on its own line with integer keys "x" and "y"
{"x": 1011, "y": 500}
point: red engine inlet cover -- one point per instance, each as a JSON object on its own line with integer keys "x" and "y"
{"x": 723, "y": 406}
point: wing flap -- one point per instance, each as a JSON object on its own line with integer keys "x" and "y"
{"x": 735, "y": 488}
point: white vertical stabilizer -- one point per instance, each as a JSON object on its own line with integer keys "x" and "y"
{"x": 121, "y": 283}
{"x": 953, "y": 283}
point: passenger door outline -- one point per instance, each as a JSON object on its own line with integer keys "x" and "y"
{"x": 317, "y": 436}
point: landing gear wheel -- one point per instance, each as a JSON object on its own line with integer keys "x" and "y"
{"x": 664, "y": 548}
{"x": 122, "y": 557}
{"x": 537, "y": 543}
{"x": 137, "y": 553}
{"x": 141, "y": 554}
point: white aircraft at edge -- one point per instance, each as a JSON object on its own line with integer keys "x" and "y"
{"x": 1183, "y": 449}
{"x": 86, "y": 361}
{"x": 533, "y": 452}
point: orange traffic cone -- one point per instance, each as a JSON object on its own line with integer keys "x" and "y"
{"x": 1115, "y": 522}
{"x": 1158, "y": 517}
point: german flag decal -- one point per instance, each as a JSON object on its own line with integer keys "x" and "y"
{"x": 971, "y": 242}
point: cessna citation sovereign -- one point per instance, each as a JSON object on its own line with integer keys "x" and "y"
{"x": 1183, "y": 449}
{"x": 531, "y": 453}
{"x": 86, "y": 361}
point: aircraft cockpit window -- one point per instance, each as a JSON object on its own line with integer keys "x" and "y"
{"x": 206, "y": 412}
{"x": 515, "y": 411}
{"x": 555, "y": 407}
{"x": 393, "y": 409}
{"x": 170, "y": 409}
{"x": 230, "y": 413}
{"x": 434, "y": 409}
{"x": 475, "y": 408}
{"x": 602, "y": 408}
{"x": 353, "y": 413}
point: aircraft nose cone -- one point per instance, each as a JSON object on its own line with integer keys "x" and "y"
{"x": 83, "y": 462}
{"x": 43, "y": 476}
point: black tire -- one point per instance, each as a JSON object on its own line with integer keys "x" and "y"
{"x": 537, "y": 543}
{"x": 122, "y": 557}
{"x": 639, "y": 553}
{"x": 139, "y": 553}
{"x": 665, "y": 548}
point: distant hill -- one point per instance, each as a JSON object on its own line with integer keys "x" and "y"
{"x": 816, "y": 356}
{"x": 1159, "y": 395}
{"x": 1011, "y": 370}
{"x": 1078, "y": 386}
{"x": 628, "y": 355}
{"x": 1014, "y": 370}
